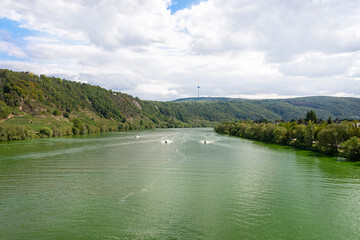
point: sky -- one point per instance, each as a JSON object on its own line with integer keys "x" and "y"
{"x": 161, "y": 49}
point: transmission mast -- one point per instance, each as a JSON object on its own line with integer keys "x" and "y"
{"x": 198, "y": 87}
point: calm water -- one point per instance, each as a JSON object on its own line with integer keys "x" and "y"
{"x": 114, "y": 186}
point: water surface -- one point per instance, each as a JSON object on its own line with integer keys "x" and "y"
{"x": 116, "y": 186}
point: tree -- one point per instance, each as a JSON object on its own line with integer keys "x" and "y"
{"x": 45, "y": 132}
{"x": 329, "y": 121}
{"x": 309, "y": 134}
{"x": 4, "y": 110}
{"x": 56, "y": 112}
{"x": 300, "y": 132}
{"x": 311, "y": 116}
{"x": 351, "y": 148}
{"x": 328, "y": 140}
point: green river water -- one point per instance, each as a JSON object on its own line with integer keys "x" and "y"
{"x": 116, "y": 186}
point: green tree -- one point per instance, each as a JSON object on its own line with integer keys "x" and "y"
{"x": 351, "y": 148}
{"x": 309, "y": 134}
{"x": 300, "y": 132}
{"x": 311, "y": 116}
{"x": 328, "y": 140}
{"x": 56, "y": 112}
{"x": 329, "y": 121}
{"x": 355, "y": 129}
{"x": 45, "y": 132}
{"x": 4, "y": 110}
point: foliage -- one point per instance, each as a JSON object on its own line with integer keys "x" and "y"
{"x": 266, "y": 132}
{"x": 56, "y": 112}
{"x": 45, "y": 132}
{"x": 311, "y": 116}
{"x": 329, "y": 121}
{"x": 322, "y": 137}
{"x": 351, "y": 148}
{"x": 4, "y": 110}
{"x": 61, "y": 131}
{"x": 10, "y": 132}
{"x": 328, "y": 140}
{"x": 293, "y": 108}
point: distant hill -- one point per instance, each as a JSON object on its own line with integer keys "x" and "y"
{"x": 37, "y": 101}
{"x": 287, "y": 109}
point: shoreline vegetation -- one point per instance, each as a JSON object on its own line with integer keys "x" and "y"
{"x": 76, "y": 126}
{"x": 342, "y": 138}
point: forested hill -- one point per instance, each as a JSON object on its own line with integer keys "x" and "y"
{"x": 292, "y": 108}
{"x": 37, "y": 101}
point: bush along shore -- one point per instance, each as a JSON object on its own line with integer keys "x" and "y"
{"x": 330, "y": 138}
{"x": 75, "y": 126}
{"x": 11, "y": 132}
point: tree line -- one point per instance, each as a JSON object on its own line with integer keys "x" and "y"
{"x": 326, "y": 137}
{"x": 11, "y": 132}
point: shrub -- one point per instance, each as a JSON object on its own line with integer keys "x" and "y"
{"x": 4, "y": 110}
{"x": 13, "y": 132}
{"x": 351, "y": 148}
{"x": 56, "y": 112}
{"x": 45, "y": 132}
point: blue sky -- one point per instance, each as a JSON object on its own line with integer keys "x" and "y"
{"x": 181, "y": 4}
{"x": 235, "y": 48}
{"x": 10, "y": 31}
{"x": 13, "y": 27}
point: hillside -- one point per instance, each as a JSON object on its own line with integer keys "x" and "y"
{"x": 292, "y": 108}
{"x": 36, "y": 101}
{"x": 33, "y": 102}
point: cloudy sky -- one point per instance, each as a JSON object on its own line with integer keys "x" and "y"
{"x": 160, "y": 49}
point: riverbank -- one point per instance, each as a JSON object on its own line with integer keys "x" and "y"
{"x": 332, "y": 139}
{"x": 24, "y": 126}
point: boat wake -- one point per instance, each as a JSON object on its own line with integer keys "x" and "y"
{"x": 144, "y": 189}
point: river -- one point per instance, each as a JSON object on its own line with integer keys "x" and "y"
{"x": 117, "y": 186}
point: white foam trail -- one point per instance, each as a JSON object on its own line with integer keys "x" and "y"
{"x": 144, "y": 189}
{"x": 126, "y": 197}
{"x": 181, "y": 154}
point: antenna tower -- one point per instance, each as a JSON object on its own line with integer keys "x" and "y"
{"x": 198, "y": 87}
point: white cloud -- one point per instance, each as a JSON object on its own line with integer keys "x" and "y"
{"x": 6, "y": 46}
{"x": 156, "y": 88}
{"x": 248, "y": 48}
{"x": 282, "y": 29}
{"x": 318, "y": 65}
{"x": 11, "y": 49}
